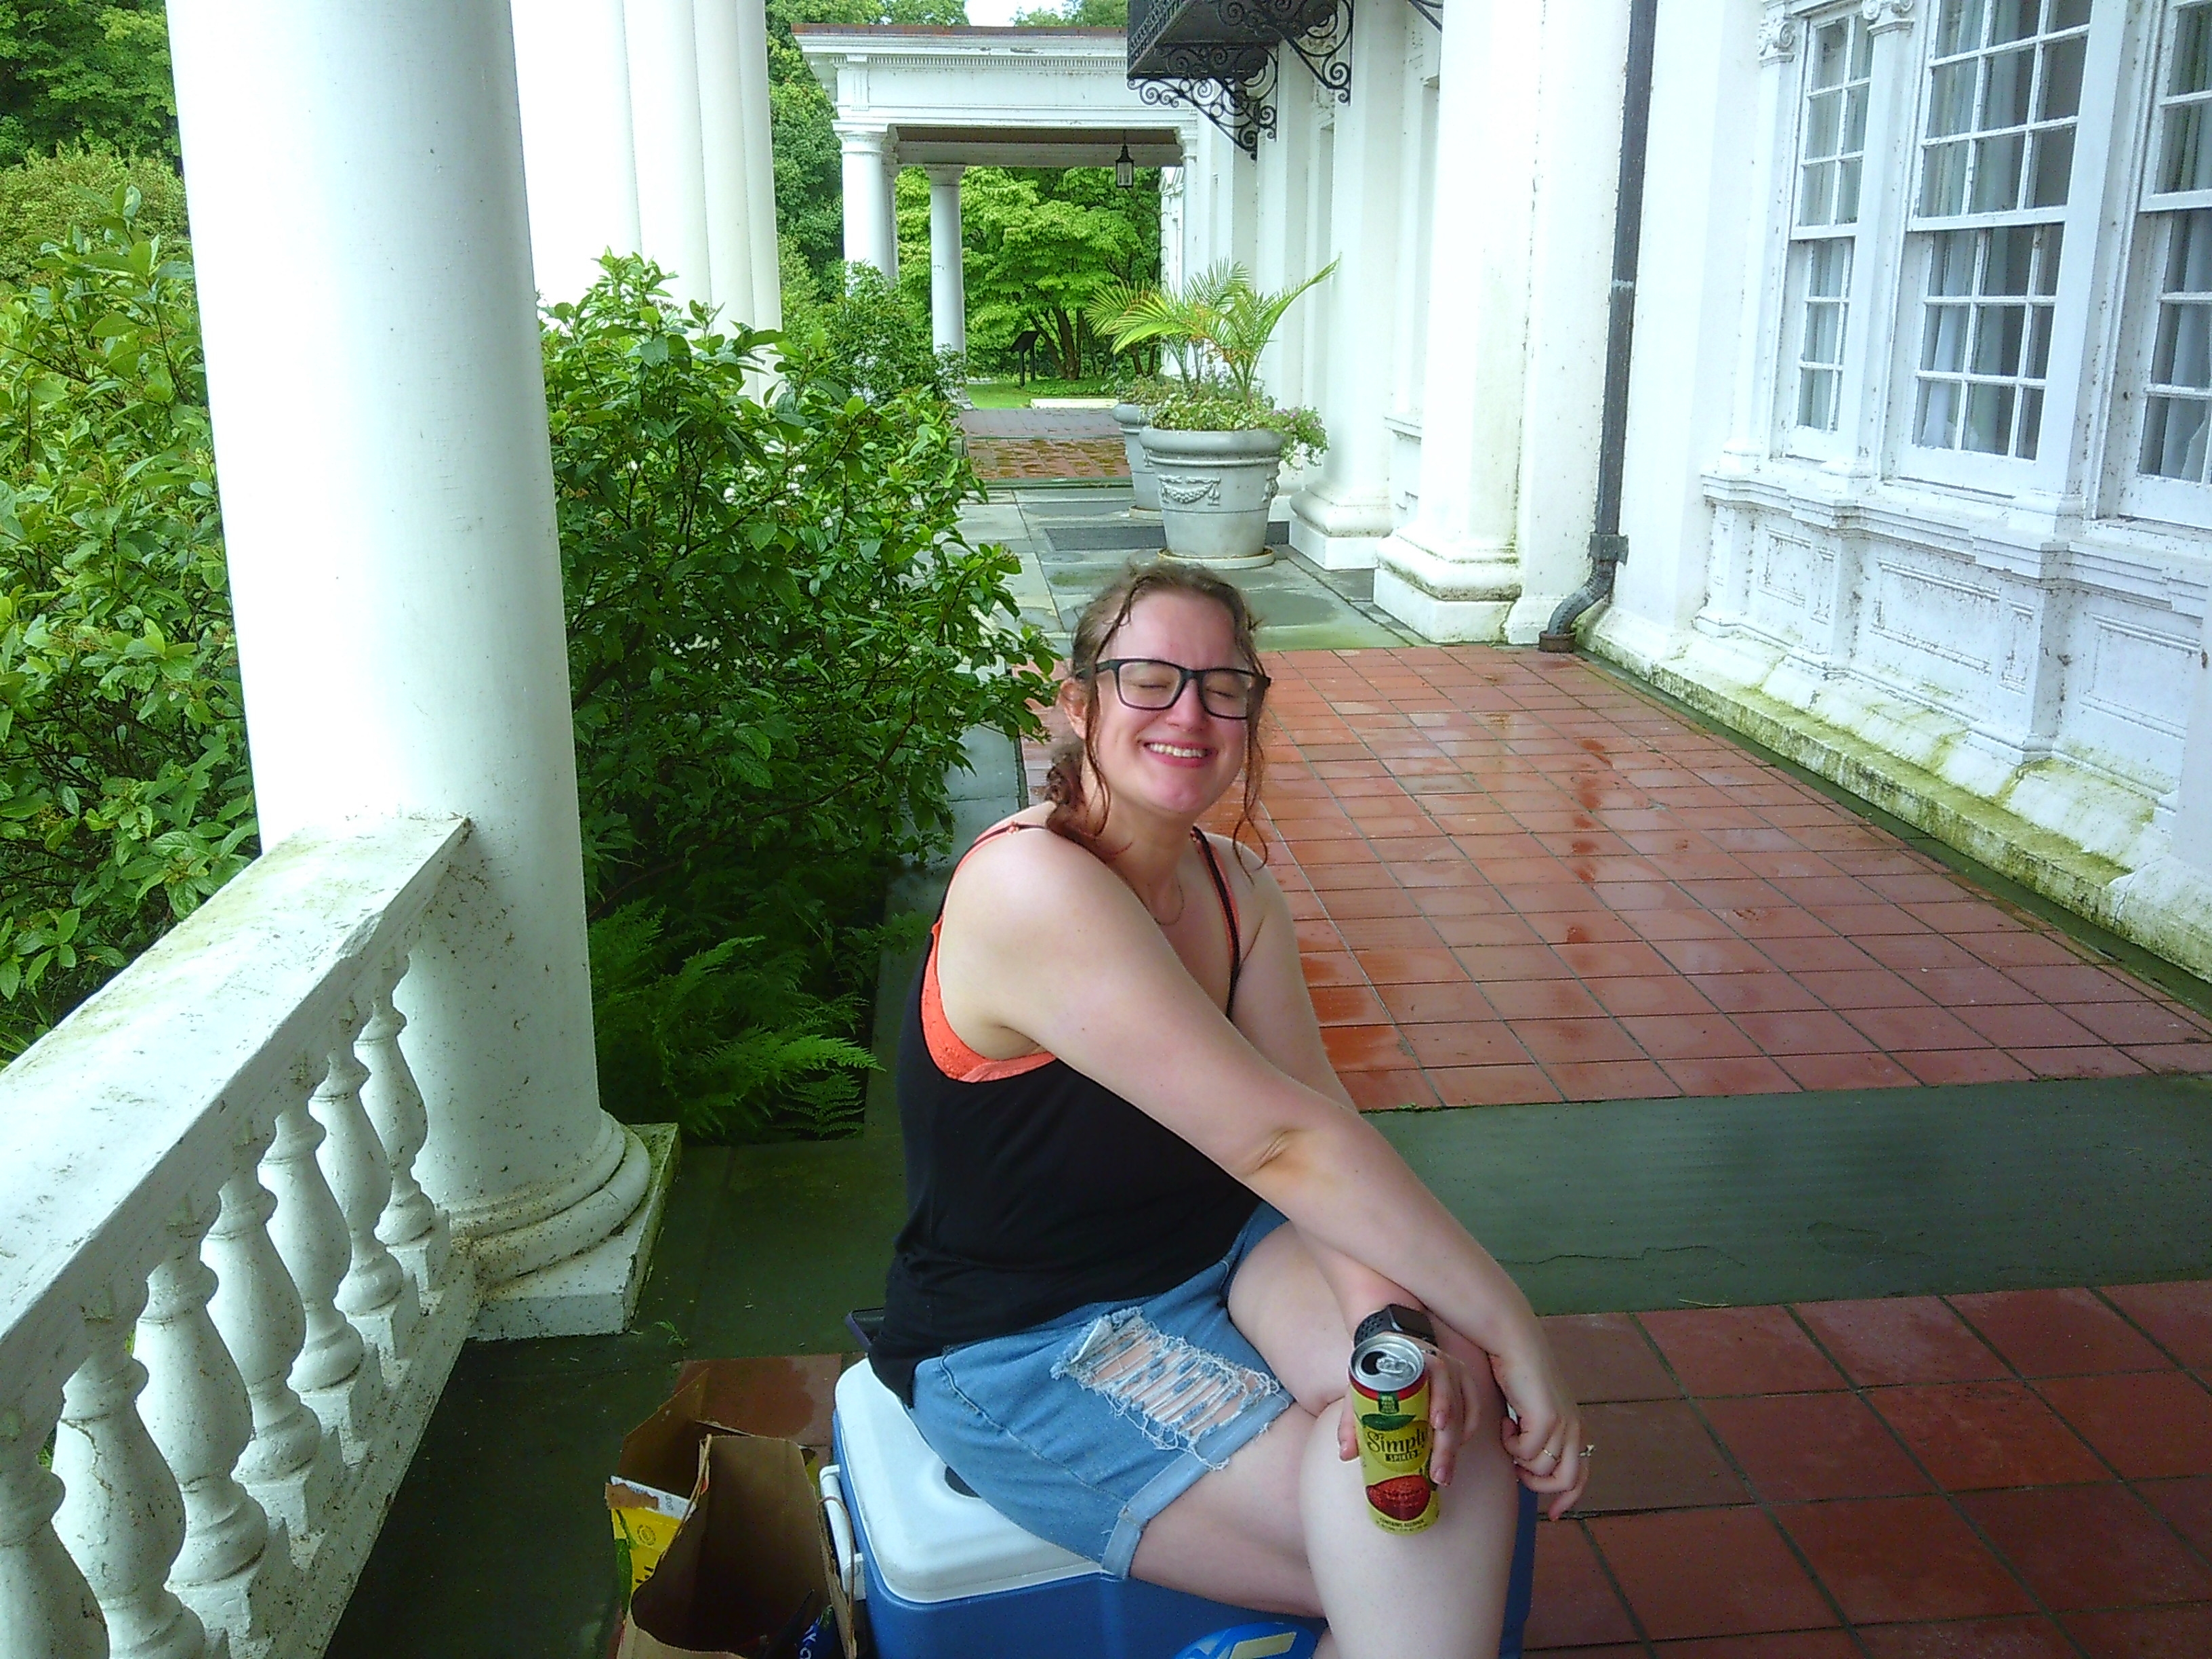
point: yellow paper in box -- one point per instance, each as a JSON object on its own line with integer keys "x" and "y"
{"x": 645, "y": 1520}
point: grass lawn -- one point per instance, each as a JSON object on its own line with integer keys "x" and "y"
{"x": 1012, "y": 394}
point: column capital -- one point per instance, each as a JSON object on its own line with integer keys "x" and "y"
{"x": 945, "y": 173}
{"x": 858, "y": 139}
{"x": 1883, "y": 16}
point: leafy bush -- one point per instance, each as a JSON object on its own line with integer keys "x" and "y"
{"x": 777, "y": 638}
{"x": 124, "y": 793}
{"x": 1207, "y": 407}
{"x": 42, "y": 197}
{"x": 868, "y": 340}
{"x": 731, "y": 1040}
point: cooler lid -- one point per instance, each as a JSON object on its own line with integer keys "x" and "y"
{"x": 928, "y": 1542}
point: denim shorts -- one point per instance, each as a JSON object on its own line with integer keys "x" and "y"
{"x": 1083, "y": 1428}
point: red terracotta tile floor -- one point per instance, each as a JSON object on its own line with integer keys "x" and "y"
{"x": 1518, "y": 880}
{"x": 2006, "y": 1476}
{"x": 1030, "y": 460}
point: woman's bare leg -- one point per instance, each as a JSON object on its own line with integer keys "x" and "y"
{"x": 1285, "y": 1527}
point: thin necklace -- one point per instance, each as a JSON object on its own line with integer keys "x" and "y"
{"x": 1182, "y": 903}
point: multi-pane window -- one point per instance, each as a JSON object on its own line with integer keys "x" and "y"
{"x": 2004, "y": 88}
{"x": 2185, "y": 138}
{"x": 2177, "y": 407}
{"x": 1985, "y": 345}
{"x": 1831, "y": 158}
{"x": 1996, "y": 162}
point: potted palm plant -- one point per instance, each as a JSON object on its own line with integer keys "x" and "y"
{"x": 1115, "y": 305}
{"x": 1216, "y": 441}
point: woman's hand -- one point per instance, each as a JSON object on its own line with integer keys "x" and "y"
{"x": 1543, "y": 1434}
{"x": 1459, "y": 1378}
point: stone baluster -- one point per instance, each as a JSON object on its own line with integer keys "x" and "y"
{"x": 336, "y": 1372}
{"x": 235, "y": 1567}
{"x": 412, "y": 1226}
{"x": 293, "y": 1466}
{"x": 124, "y": 1517}
{"x": 376, "y": 1294}
{"x": 46, "y": 1609}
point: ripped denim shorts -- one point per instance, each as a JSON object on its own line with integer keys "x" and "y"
{"x": 1081, "y": 1430}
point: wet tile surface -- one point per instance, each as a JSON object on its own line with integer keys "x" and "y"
{"x": 1615, "y": 904}
{"x": 1875, "y": 1479}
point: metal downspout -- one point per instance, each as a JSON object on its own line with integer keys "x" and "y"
{"x": 1608, "y": 547}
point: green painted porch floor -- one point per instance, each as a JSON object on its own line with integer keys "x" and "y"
{"x": 498, "y": 1544}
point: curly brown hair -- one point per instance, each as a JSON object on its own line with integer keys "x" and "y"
{"x": 1073, "y": 816}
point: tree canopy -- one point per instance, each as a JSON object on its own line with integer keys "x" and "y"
{"x": 1038, "y": 243}
{"x": 1078, "y": 14}
{"x": 72, "y": 71}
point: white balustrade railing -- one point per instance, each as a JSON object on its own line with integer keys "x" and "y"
{"x": 227, "y": 1307}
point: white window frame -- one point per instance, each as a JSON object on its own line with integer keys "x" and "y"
{"x": 2059, "y": 448}
{"x": 1838, "y": 440}
{"x": 2128, "y": 490}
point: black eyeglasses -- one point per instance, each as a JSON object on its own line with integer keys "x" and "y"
{"x": 1232, "y": 694}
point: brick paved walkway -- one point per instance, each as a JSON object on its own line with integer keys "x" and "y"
{"x": 2021, "y": 1475}
{"x": 1518, "y": 880}
{"x": 1009, "y": 460}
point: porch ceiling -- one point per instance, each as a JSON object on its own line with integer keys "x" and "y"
{"x": 1070, "y": 146}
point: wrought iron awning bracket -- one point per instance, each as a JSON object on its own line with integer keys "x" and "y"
{"x": 1232, "y": 87}
{"x": 1326, "y": 51}
{"x": 1432, "y": 11}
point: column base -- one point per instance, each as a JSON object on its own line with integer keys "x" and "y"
{"x": 1454, "y": 592}
{"x": 594, "y": 1292}
{"x": 1531, "y": 614}
{"x": 1338, "y": 535}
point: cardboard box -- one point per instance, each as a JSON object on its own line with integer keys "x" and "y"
{"x": 790, "y": 1399}
{"x": 750, "y": 1558}
{"x": 717, "y": 1515}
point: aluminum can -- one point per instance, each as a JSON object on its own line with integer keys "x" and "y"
{"x": 1390, "y": 1399}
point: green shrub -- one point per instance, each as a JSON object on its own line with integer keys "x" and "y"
{"x": 125, "y": 794}
{"x": 869, "y": 341}
{"x": 42, "y": 196}
{"x": 729, "y": 1042}
{"x": 777, "y": 638}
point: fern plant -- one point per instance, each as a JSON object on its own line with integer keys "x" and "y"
{"x": 782, "y": 1070}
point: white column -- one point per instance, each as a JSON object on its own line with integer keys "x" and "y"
{"x": 760, "y": 165}
{"x": 1342, "y": 515}
{"x": 948, "y": 267}
{"x": 722, "y": 142}
{"x": 671, "y": 175}
{"x": 572, "y": 69}
{"x": 867, "y": 211}
{"x": 1171, "y": 223}
{"x": 1452, "y": 572}
{"x": 1582, "y": 78}
{"x": 397, "y": 582}
{"x": 888, "y": 237}
{"x": 1691, "y": 313}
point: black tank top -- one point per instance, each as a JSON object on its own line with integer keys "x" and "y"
{"x": 1033, "y": 1195}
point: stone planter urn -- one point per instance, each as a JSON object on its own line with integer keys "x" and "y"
{"x": 1215, "y": 490}
{"x": 1134, "y": 418}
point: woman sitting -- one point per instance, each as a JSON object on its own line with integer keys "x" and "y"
{"x": 1115, "y": 1095}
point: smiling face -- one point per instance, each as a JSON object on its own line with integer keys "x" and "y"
{"x": 1171, "y": 763}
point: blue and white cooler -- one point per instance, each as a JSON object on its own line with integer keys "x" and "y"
{"x": 944, "y": 1575}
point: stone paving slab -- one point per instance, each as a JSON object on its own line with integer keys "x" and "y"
{"x": 1061, "y": 423}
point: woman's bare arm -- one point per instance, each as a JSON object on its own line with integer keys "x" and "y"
{"x": 1043, "y": 943}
